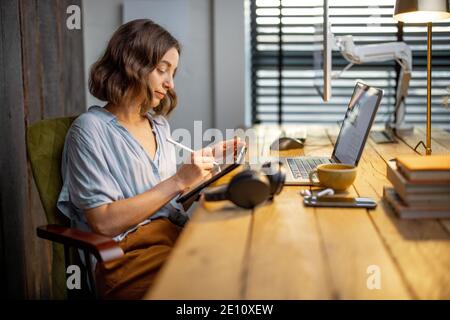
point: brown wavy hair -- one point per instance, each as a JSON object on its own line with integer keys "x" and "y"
{"x": 122, "y": 73}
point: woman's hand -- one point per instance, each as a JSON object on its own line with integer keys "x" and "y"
{"x": 109, "y": 219}
{"x": 197, "y": 168}
{"x": 225, "y": 151}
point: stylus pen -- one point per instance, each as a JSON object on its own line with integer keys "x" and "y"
{"x": 235, "y": 148}
{"x": 187, "y": 149}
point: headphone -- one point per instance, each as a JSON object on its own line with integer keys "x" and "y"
{"x": 249, "y": 188}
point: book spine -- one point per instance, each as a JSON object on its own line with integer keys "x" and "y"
{"x": 398, "y": 185}
{"x": 403, "y": 212}
{"x": 419, "y": 194}
{"x": 405, "y": 172}
{"x": 425, "y": 176}
{"x": 424, "y": 205}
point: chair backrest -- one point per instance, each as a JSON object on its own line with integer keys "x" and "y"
{"x": 45, "y": 143}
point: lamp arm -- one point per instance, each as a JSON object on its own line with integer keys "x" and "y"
{"x": 402, "y": 92}
{"x": 379, "y": 52}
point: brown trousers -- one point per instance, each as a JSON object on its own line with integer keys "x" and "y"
{"x": 146, "y": 250}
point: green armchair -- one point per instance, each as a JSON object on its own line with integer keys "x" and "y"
{"x": 45, "y": 142}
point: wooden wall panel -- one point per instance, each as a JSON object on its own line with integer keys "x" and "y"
{"x": 31, "y": 60}
{"x": 73, "y": 50}
{"x": 38, "y": 259}
{"x": 42, "y": 77}
{"x": 13, "y": 185}
{"x": 52, "y": 84}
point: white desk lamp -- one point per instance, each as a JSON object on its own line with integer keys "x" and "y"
{"x": 423, "y": 11}
{"x": 387, "y": 51}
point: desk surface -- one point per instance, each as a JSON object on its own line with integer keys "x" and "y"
{"x": 283, "y": 250}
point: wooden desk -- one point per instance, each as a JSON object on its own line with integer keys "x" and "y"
{"x": 283, "y": 250}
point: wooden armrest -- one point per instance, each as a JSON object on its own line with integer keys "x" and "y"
{"x": 104, "y": 248}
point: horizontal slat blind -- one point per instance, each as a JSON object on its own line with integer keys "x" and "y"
{"x": 416, "y": 37}
{"x": 369, "y": 21}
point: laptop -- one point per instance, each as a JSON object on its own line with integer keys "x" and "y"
{"x": 351, "y": 140}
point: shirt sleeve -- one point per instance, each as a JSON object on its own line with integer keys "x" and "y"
{"x": 87, "y": 177}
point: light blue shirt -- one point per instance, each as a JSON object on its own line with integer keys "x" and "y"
{"x": 102, "y": 163}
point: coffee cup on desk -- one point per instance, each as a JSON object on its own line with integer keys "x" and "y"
{"x": 337, "y": 176}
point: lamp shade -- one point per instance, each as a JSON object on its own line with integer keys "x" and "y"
{"x": 421, "y": 11}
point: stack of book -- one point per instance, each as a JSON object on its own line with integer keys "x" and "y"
{"x": 421, "y": 186}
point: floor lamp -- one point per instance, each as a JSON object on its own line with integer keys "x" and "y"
{"x": 423, "y": 11}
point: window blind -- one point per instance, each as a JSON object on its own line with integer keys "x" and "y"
{"x": 282, "y": 59}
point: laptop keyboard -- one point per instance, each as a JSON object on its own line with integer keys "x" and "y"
{"x": 300, "y": 168}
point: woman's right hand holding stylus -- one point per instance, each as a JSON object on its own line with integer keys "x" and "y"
{"x": 197, "y": 168}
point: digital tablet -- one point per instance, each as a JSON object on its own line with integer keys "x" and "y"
{"x": 224, "y": 169}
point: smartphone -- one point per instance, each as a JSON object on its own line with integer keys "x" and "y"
{"x": 341, "y": 202}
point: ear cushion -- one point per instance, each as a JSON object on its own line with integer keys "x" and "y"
{"x": 248, "y": 188}
{"x": 276, "y": 173}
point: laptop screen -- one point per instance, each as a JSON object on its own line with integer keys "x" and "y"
{"x": 357, "y": 123}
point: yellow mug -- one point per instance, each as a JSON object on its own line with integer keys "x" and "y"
{"x": 337, "y": 176}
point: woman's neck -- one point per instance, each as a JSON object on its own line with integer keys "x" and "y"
{"x": 130, "y": 113}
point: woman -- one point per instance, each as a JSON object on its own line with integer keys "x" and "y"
{"x": 119, "y": 173}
